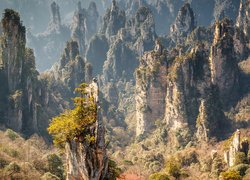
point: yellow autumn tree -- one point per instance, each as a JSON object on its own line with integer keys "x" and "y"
{"x": 74, "y": 123}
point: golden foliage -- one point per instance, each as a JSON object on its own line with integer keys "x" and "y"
{"x": 73, "y": 123}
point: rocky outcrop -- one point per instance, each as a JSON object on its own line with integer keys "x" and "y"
{"x": 243, "y": 17}
{"x": 223, "y": 62}
{"x": 226, "y": 8}
{"x": 55, "y": 23}
{"x": 150, "y": 90}
{"x": 97, "y": 52}
{"x": 142, "y": 29}
{"x": 78, "y": 28}
{"x": 22, "y": 96}
{"x": 84, "y": 25}
{"x": 91, "y": 25}
{"x": 235, "y": 145}
{"x": 88, "y": 160}
{"x": 177, "y": 89}
{"x": 183, "y": 25}
{"x": 71, "y": 69}
{"x": 49, "y": 44}
{"x": 113, "y": 20}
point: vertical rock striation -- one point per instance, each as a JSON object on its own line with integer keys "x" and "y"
{"x": 243, "y": 19}
{"x": 88, "y": 160}
{"x": 223, "y": 62}
{"x": 183, "y": 24}
{"x": 113, "y": 20}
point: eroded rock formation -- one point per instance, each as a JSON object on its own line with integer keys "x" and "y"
{"x": 236, "y": 145}
{"x": 183, "y": 25}
{"x": 88, "y": 160}
{"x": 49, "y": 44}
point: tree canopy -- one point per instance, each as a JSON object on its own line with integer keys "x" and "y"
{"x": 73, "y": 123}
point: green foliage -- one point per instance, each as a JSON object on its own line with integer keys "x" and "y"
{"x": 240, "y": 158}
{"x": 13, "y": 168}
{"x": 158, "y": 176}
{"x": 231, "y": 175}
{"x": 241, "y": 168}
{"x": 9, "y": 151}
{"x": 173, "y": 168}
{"x": 55, "y": 165}
{"x": 127, "y": 162}
{"x": 3, "y": 162}
{"x": 11, "y": 134}
{"x": 73, "y": 123}
{"x": 217, "y": 166}
{"x": 113, "y": 170}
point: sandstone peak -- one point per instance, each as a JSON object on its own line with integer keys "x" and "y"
{"x": 184, "y": 23}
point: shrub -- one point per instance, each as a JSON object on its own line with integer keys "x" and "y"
{"x": 240, "y": 158}
{"x": 231, "y": 175}
{"x": 189, "y": 158}
{"x": 55, "y": 165}
{"x": 241, "y": 168}
{"x": 127, "y": 162}
{"x": 11, "y": 134}
{"x": 113, "y": 170}
{"x": 217, "y": 166}
{"x": 173, "y": 168}
{"x": 10, "y": 152}
{"x": 13, "y": 168}
{"x": 158, "y": 176}
{"x": 3, "y": 163}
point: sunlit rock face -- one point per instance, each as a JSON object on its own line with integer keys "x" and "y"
{"x": 177, "y": 90}
{"x": 243, "y": 19}
{"x": 183, "y": 24}
{"x": 88, "y": 160}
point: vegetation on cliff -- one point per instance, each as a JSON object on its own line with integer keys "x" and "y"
{"x": 72, "y": 123}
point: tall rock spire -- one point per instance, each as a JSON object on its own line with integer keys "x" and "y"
{"x": 183, "y": 25}
{"x": 55, "y": 23}
{"x": 88, "y": 160}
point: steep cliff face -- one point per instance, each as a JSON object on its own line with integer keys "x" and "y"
{"x": 78, "y": 28}
{"x": 142, "y": 29}
{"x": 91, "y": 25}
{"x": 113, "y": 20}
{"x": 84, "y": 25}
{"x": 97, "y": 52}
{"x": 49, "y": 44}
{"x": 177, "y": 89}
{"x": 88, "y": 160}
{"x": 19, "y": 95}
{"x": 13, "y": 48}
{"x": 72, "y": 69}
{"x": 235, "y": 145}
{"x": 150, "y": 89}
{"x": 183, "y": 25}
{"x": 223, "y": 62}
{"x": 226, "y": 8}
{"x": 243, "y": 17}
{"x": 55, "y": 23}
